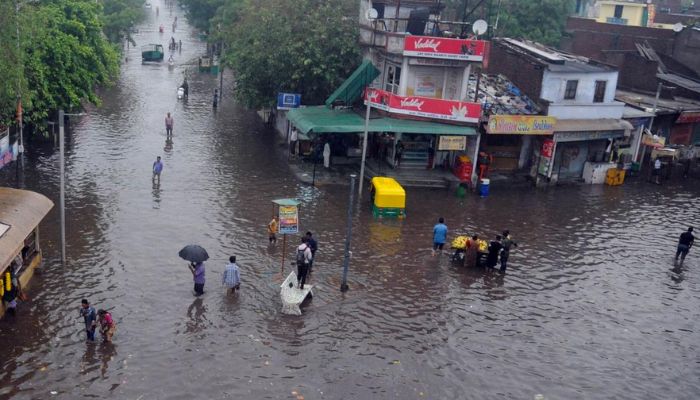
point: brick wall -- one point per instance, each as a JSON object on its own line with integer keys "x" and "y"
{"x": 590, "y": 38}
{"x": 526, "y": 75}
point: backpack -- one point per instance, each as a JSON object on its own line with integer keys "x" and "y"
{"x": 301, "y": 257}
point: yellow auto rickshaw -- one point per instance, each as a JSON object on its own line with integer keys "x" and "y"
{"x": 388, "y": 197}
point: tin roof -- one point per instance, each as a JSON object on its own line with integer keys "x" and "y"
{"x": 22, "y": 210}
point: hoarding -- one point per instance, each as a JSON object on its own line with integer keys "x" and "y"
{"x": 445, "y": 48}
{"x": 521, "y": 125}
{"x": 289, "y": 219}
{"x": 426, "y": 107}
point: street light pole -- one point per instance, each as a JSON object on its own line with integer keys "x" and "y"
{"x": 348, "y": 237}
{"x": 61, "y": 142}
{"x": 364, "y": 145}
{"x": 20, "y": 149}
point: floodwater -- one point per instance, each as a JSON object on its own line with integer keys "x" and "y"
{"x": 591, "y": 308}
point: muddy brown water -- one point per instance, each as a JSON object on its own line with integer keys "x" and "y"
{"x": 592, "y": 306}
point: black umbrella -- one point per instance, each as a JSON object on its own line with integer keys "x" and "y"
{"x": 194, "y": 253}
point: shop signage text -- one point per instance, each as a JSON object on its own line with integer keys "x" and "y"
{"x": 456, "y": 143}
{"x": 289, "y": 219}
{"x": 426, "y": 107}
{"x": 446, "y": 48}
{"x": 521, "y": 125}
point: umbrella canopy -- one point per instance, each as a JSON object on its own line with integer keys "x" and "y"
{"x": 193, "y": 253}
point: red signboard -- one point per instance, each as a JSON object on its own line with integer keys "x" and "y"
{"x": 547, "y": 148}
{"x": 688, "y": 117}
{"x": 452, "y": 49}
{"x": 425, "y": 107}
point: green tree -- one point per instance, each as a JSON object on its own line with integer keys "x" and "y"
{"x": 120, "y": 16}
{"x": 200, "y": 12}
{"x": 10, "y": 70}
{"x": 538, "y": 20}
{"x": 304, "y": 46}
{"x": 65, "y": 56}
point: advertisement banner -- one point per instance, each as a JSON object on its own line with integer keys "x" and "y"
{"x": 446, "y": 48}
{"x": 449, "y": 143}
{"x": 546, "y": 152}
{"x": 449, "y": 110}
{"x": 521, "y": 125}
{"x": 289, "y": 219}
{"x": 688, "y": 117}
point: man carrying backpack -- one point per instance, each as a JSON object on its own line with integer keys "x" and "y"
{"x": 304, "y": 258}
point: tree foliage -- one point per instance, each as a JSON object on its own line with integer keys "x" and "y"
{"x": 538, "y": 20}
{"x": 63, "y": 57}
{"x": 200, "y": 12}
{"x": 120, "y": 16}
{"x": 304, "y": 46}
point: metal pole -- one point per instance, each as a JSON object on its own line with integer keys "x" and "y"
{"x": 20, "y": 150}
{"x": 61, "y": 142}
{"x": 656, "y": 102}
{"x": 348, "y": 237}
{"x": 364, "y": 147}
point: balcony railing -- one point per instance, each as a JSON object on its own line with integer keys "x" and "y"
{"x": 616, "y": 21}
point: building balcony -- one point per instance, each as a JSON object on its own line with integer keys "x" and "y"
{"x": 586, "y": 110}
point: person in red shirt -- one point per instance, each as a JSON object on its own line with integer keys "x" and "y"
{"x": 107, "y": 325}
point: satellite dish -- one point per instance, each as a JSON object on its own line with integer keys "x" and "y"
{"x": 479, "y": 27}
{"x": 678, "y": 27}
{"x": 371, "y": 14}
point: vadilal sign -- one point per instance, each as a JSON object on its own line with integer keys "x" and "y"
{"x": 521, "y": 125}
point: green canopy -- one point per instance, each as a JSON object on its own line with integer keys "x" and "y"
{"x": 323, "y": 120}
{"x": 352, "y": 88}
{"x": 286, "y": 202}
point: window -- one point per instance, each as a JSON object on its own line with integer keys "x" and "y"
{"x": 570, "y": 93}
{"x": 393, "y": 78}
{"x": 599, "y": 95}
{"x": 618, "y": 11}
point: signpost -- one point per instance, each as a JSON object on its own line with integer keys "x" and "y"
{"x": 287, "y": 211}
{"x": 287, "y": 101}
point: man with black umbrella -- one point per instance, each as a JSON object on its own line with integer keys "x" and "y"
{"x": 197, "y": 270}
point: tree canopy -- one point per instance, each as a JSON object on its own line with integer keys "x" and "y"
{"x": 303, "y": 46}
{"x": 538, "y": 20}
{"x": 64, "y": 53}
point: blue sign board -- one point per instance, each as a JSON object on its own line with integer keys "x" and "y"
{"x": 287, "y": 101}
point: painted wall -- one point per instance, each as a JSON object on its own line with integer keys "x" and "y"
{"x": 554, "y": 86}
{"x": 582, "y": 107}
{"x": 632, "y": 12}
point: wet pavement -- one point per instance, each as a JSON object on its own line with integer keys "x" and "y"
{"x": 591, "y": 307}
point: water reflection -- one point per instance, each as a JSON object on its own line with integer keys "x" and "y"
{"x": 590, "y": 260}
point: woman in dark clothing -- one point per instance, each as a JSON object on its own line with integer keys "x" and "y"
{"x": 495, "y": 248}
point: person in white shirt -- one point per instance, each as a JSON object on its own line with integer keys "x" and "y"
{"x": 657, "y": 171}
{"x": 304, "y": 258}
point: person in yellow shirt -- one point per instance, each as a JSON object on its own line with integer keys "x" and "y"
{"x": 272, "y": 228}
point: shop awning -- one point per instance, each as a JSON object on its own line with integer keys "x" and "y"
{"x": 583, "y": 125}
{"x": 352, "y": 88}
{"x": 323, "y": 120}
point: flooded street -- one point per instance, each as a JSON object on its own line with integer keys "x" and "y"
{"x": 591, "y": 308}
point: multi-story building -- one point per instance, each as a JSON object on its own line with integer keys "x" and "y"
{"x": 579, "y": 93}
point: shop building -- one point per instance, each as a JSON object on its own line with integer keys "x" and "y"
{"x": 579, "y": 93}
{"x": 510, "y": 121}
